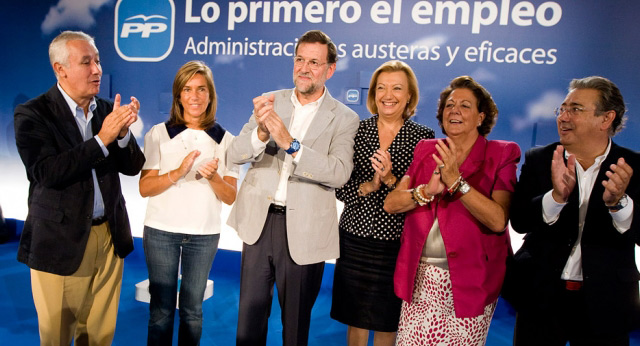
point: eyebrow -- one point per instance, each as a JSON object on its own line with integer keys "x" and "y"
{"x": 464, "y": 100}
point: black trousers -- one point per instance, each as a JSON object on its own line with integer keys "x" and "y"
{"x": 263, "y": 263}
{"x": 566, "y": 321}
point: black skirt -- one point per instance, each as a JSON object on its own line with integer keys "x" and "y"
{"x": 363, "y": 294}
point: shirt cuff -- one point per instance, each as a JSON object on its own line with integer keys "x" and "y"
{"x": 257, "y": 145}
{"x": 122, "y": 143}
{"x": 550, "y": 208}
{"x": 298, "y": 155}
{"x": 622, "y": 218}
{"x": 105, "y": 151}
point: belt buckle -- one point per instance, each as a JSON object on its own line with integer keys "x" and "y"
{"x": 277, "y": 209}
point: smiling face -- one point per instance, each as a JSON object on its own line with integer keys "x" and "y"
{"x": 309, "y": 82}
{"x": 194, "y": 99}
{"x": 392, "y": 94}
{"x": 460, "y": 115}
{"x": 583, "y": 126}
{"x": 80, "y": 76}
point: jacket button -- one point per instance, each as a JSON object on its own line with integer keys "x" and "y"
{"x": 453, "y": 254}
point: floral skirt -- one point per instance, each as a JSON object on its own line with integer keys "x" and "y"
{"x": 430, "y": 318}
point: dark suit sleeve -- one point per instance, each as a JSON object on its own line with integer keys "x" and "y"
{"x": 535, "y": 181}
{"x": 47, "y": 153}
{"x": 130, "y": 158}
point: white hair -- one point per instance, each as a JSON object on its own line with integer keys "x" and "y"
{"x": 58, "y": 51}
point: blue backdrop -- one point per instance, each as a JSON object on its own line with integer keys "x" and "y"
{"x": 524, "y": 52}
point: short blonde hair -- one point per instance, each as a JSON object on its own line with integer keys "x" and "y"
{"x": 414, "y": 93}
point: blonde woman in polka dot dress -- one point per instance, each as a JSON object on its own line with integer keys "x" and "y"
{"x": 363, "y": 297}
{"x": 456, "y": 197}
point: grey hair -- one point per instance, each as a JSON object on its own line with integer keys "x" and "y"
{"x": 610, "y": 99}
{"x": 58, "y": 52}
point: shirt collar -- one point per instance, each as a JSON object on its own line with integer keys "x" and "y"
{"x": 598, "y": 160}
{"x": 316, "y": 103}
{"x": 73, "y": 106}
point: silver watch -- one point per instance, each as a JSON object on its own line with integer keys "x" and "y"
{"x": 464, "y": 187}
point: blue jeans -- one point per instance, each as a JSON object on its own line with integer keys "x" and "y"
{"x": 162, "y": 252}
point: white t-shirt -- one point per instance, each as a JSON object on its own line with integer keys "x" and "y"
{"x": 190, "y": 206}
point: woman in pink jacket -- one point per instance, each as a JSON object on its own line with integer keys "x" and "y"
{"x": 456, "y": 194}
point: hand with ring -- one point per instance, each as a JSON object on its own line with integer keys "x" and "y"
{"x": 446, "y": 161}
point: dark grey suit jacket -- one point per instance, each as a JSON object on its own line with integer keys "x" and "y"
{"x": 61, "y": 190}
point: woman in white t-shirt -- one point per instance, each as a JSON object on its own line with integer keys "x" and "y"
{"x": 186, "y": 178}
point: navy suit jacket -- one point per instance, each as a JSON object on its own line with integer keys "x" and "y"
{"x": 61, "y": 191}
{"x": 608, "y": 261}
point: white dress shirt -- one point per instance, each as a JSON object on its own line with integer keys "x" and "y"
{"x": 551, "y": 211}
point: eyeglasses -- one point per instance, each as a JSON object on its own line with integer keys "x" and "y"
{"x": 572, "y": 111}
{"x": 313, "y": 64}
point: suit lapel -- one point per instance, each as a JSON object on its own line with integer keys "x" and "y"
{"x": 62, "y": 117}
{"x": 595, "y": 199}
{"x": 475, "y": 158}
{"x": 320, "y": 121}
{"x": 284, "y": 108}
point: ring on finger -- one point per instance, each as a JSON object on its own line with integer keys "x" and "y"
{"x": 436, "y": 172}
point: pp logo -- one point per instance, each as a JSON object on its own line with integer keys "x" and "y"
{"x": 353, "y": 96}
{"x": 144, "y": 29}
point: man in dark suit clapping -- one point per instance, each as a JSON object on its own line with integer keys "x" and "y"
{"x": 575, "y": 278}
{"x": 74, "y": 145}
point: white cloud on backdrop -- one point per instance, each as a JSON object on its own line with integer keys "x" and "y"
{"x": 482, "y": 75}
{"x": 539, "y": 109}
{"x": 66, "y": 13}
{"x": 430, "y": 41}
{"x": 228, "y": 59}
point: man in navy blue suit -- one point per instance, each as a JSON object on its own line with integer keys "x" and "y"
{"x": 73, "y": 146}
{"x": 575, "y": 277}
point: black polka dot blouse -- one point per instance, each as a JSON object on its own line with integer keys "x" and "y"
{"x": 363, "y": 215}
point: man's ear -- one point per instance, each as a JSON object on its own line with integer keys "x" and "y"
{"x": 59, "y": 69}
{"x": 607, "y": 119}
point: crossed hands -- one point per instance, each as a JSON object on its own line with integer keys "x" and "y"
{"x": 117, "y": 123}
{"x": 269, "y": 122}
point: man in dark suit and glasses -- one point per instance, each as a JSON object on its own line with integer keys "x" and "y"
{"x": 575, "y": 278}
{"x": 74, "y": 145}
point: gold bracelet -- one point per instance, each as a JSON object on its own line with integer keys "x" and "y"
{"x": 418, "y": 197}
{"x": 455, "y": 186}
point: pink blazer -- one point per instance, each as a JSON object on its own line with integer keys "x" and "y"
{"x": 476, "y": 255}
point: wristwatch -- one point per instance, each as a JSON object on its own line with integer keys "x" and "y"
{"x": 622, "y": 202}
{"x": 293, "y": 147}
{"x": 464, "y": 187}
